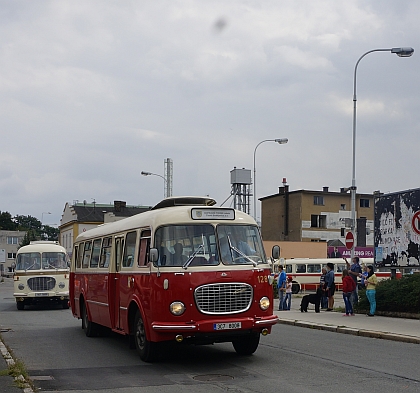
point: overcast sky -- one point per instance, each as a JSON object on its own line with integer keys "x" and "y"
{"x": 94, "y": 92}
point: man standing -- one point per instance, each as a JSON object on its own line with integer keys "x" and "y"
{"x": 281, "y": 285}
{"x": 354, "y": 271}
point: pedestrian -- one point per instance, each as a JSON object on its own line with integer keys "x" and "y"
{"x": 364, "y": 275}
{"x": 371, "y": 282}
{"x": 281, "y": 285}
{"x": 348, "y": 288}
{"x": 354, "y": 271}
{"x": 288, "y": 298}
{"x": 324, "y": 298}
{"x": 330, "y": 285}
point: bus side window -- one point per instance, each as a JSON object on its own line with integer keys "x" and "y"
{"x": 105, "y": 252}
{"x": 288, "y": 268}
{"x": 79, "y": 256}
{"x": 129, "y": 249}
{"x": 300, "y": 268}
{"x": 94, "y": 262}
{"x": 144, "y": 248}
{"x": 86, "y": 254}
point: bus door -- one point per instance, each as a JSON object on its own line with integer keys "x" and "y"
{"x": 114, "y": 303}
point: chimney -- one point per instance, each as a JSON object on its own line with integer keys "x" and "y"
{"x": 325, "y": 189}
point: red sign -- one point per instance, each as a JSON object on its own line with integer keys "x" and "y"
{"x": 415, "y": 222}
{"x": 349, "y": 240}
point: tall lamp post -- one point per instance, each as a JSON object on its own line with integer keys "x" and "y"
{"x": 42, "y": 217}
{"x": 165, "y": 193}
{"x": 401, "y": 52}
{"x": 280, "y": 141}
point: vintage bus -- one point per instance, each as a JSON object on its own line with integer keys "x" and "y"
{"x": 306, "y": 272}
{"x": 42, "y": 272}
{"x": 185, "y": 270}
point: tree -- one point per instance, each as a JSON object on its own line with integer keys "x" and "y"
{"x": 6, "y": 222}
{"x": 49, "y": 233}
{"x": 30, "y": 236}
{"x": 28, "y": 222}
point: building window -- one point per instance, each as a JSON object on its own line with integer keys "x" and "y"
{"x": 343, "y": 206}
{"x": 12, "y": 240}
{"x": 318, "y": 221}
{"x": 342, "y": 232}
{"x": 318, "y": 200}
{"x": 364, "y": 203}
{"x": 11, "y": 255}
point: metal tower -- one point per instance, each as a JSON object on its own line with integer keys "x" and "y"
{"x": 168, "y": 172}
{"x": 240, "y": 180}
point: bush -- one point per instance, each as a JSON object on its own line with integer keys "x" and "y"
{"x": 401, "y": 295}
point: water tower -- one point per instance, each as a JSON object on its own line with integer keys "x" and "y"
{"x": 240, "y": 179}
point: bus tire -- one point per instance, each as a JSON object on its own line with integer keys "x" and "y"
{"x": 90, "y": 328}
{"x": 145, "y": 348}
{"x": 295, "y": 288}
{"x": 246, "y": 345}
{"x": 20, "y": 305}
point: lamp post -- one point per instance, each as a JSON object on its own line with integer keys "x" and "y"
{"x": 42, "y": 217}
{"x": 401, "y": 52}
{"x": 165, "y": 192}
{"x": 280, "y": 141}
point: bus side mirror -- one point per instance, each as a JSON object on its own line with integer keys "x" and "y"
{"x": 153, "y": 255}
{"x": 275, "y": 252}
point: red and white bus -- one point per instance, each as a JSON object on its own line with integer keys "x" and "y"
{"x": 306, "y": 272}
{"x": 185, "y": 270}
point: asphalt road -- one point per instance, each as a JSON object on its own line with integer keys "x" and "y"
{"x": 59, "y": 357}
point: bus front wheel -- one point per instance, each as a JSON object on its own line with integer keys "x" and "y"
{"x": 90, "y": 328}
{"x": 295, "y": 288}
{"x": 246, "y": 345}
{"x": 144, "y": 347}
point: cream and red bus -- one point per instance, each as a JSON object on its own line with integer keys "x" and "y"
{"x": 185, "y": 271}
{"x": 306, "y": 272}
{"x": 41, "y": 274}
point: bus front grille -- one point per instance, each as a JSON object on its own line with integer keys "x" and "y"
{"x": 230, "y": 298}
{"x": 41, "y": 283}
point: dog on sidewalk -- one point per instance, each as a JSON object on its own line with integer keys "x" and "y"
{"x": 314, "y": 298}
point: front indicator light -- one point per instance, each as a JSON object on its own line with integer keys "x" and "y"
{"x": 264, "y": 303}
{"x": 177, "y": 308}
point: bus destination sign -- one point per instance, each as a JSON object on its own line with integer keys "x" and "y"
{"x": 212, "y": 214}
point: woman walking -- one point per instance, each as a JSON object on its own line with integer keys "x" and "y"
{"x": 348, "y": 287}
{"x": 330, "y": 286}
{"x": 371, "y": 282}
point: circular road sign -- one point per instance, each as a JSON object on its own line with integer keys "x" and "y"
{"x": 349, "y": 240}
{"x": 415, "y": 222}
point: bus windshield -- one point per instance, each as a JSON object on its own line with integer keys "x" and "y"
{"x": 32, "y": 261}
{"x": 192, "y": 245}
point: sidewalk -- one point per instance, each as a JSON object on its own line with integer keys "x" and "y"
{"x": 396, "y": 329}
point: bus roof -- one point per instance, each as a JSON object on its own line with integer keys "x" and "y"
{"x": 42, "y": 246}
{"x": 164, "y": 216}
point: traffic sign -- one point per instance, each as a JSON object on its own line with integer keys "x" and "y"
{"x": 349, "y": 240}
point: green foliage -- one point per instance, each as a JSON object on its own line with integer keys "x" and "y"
{"x": 30, "y": 235}
{"x": 6, "y": 222}
{"x": 401, "y": 295}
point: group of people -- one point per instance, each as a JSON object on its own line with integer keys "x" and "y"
{"x": 349, "y": 286}
{"x": 284, "y": 286}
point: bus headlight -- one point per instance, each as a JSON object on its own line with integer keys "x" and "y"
{"x": 61, "y": 285}
{"x": 21, "y": 286}
{"x": 177, "y": 308}
{"x": 264, "y": 303}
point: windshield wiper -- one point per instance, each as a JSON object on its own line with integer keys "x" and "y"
{"x": 192, "y": 256}
{"x": 243, "y": 255}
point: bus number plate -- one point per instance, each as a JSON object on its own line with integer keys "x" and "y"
{"x": 227, "y": 326}
{"x": 41, "y": 294}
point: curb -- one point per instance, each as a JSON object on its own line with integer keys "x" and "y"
{"x": 10, "y": 362}
{"x": 352, "y": 331}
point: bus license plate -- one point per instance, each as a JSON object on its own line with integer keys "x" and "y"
{"x": 227, "y": 326}
{"x": 41, "y": 294}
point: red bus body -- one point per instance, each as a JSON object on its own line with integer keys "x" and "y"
{"x": 221, "y": 302}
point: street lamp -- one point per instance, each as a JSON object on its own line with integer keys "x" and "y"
{"x": 280, "y": 141}
{"x": 165, "y": 183}
{"x": 401, "y": 52}
{"x": 42, "y": 216}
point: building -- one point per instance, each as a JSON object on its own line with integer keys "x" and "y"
{"x": 80, "y": 217}
{"x": 9, "y": 244}
{"x": 316, "y": 216}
